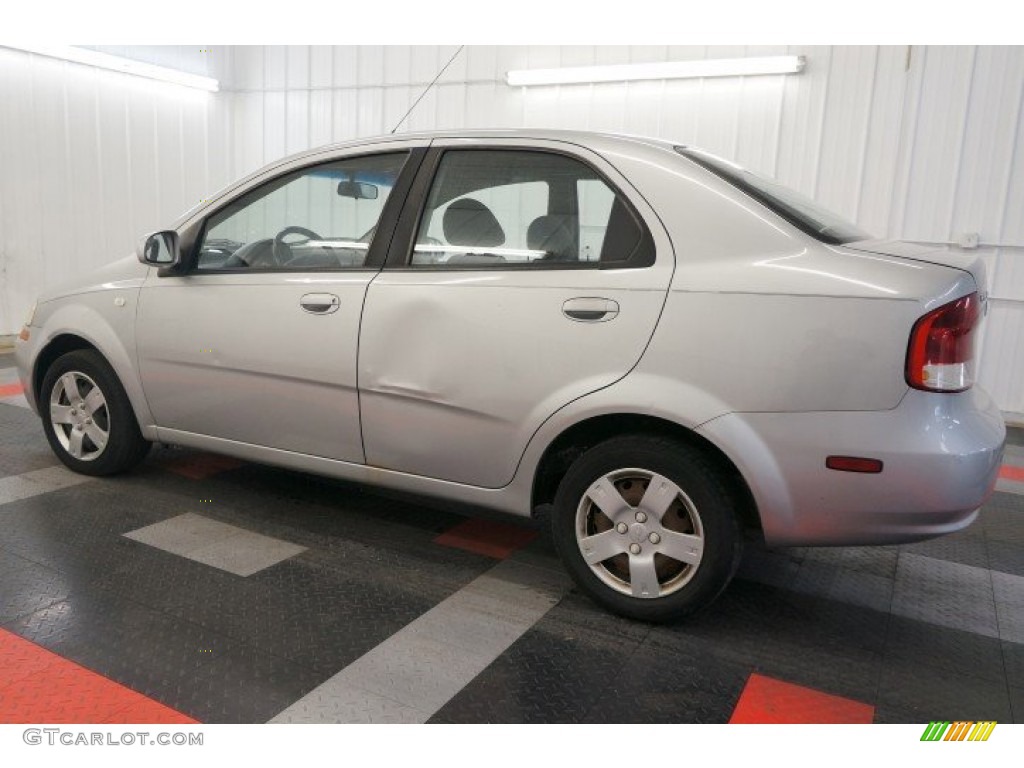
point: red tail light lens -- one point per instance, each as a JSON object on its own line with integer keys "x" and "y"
{"x": 941, "y": 353}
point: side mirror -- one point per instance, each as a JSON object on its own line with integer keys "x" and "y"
{"x": 358, "y": 190}
{"x": 160, "y": 249}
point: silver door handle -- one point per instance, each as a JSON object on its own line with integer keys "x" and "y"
{"x": 320, "y": 303}
{"x": 590, "y": 309}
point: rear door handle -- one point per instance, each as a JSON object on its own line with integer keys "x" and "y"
{"x": 587, "y": 309}
{"x": 320, "y": 303}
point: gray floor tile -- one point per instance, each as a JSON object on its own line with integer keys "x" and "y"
{"x": 216, "y": 544}
{"x": 350, "y": 706}
{"x": 1009, "y": 596}
{"x": 245, "y": 553}
{"x": 849, "y": 586}
{"x": 183, "y": 534}
{"x": 424, "y": 664}
{"x": 945, "y": 593}
{"x": 925, "y": 693}
{"x": 40, "y": 481}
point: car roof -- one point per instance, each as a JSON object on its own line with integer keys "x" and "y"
{"x": 583, "y": 138}
{"x": 593, "y": 140}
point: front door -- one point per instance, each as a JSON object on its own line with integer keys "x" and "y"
{"x": 257, "y": 342}
{"x": 532, "y": 279}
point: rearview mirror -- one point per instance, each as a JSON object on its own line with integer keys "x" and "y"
{"x": 358, "y": 190}
{"x": 159, "y": 249}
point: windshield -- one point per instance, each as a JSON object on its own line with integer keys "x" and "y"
{"x": 800, "y": 211}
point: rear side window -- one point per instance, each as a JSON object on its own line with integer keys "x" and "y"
{"x": 520, "y": 209}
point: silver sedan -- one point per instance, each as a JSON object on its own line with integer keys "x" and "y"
{"x": 666, "y": 350}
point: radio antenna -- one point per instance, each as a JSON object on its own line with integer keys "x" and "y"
{"x": 427, "y": 89}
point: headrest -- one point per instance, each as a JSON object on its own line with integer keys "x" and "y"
{"x": 469, "y": 222}
{"x": 551, "y": 233}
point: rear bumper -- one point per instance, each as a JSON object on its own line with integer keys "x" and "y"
{"x": 941, "y": 457}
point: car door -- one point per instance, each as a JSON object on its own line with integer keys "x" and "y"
{"x": 256, "y": 342}
{"x": 523, "y": 275}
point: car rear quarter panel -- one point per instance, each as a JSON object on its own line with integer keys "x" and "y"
{"x": 763, "y": 317}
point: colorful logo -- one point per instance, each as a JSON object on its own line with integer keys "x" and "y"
{"x": 958, "y": 731}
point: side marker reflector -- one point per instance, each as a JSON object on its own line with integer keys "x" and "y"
{"x": 854, "y": 464}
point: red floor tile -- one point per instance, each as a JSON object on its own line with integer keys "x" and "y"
{"x": 487, "y": 537}
{"x": 20, "y": 658}
{"x": 38, "y": 686}
{"x": 765, "y": 700}
{"x": 1008, "y": 472}
{"x": 202, "y": 465}
{"x": 10, "y": 390}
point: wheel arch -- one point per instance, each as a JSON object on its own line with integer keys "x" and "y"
{"x": 55, "y": 348}
{"x": 75, "y": 328}
{"x": 577, "y": 438}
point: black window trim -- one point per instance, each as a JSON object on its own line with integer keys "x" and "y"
{"x": 403, "y": 243}
{"x": 386, "y": 225}
{"x": 765, "y": 200}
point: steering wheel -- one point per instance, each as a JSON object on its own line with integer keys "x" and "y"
{"x": 281, "y": 251}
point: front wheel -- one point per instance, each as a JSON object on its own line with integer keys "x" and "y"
{"x": 87, "y": 417}
{"x": 648, "y": 527}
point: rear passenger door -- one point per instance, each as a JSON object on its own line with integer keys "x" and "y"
{"x": 521, "y": 277}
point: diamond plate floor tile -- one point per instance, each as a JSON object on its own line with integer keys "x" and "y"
{"x": 175, "y": 662}
{"x": 819, "y": 643}
{"x": 37, "y": 685}
{"x": 877, "y": 561}
{"x": 34, "y": 699}
{"x": 941, "y": 648}
{"x": 297, "y": 610}
{"x": 1007, "y": 557}
{"x": 778, "y": 568}
{"x": 555, "y": 673}
{"x": 40, "y": 481}
{"x": 26, "y": 587}
{"x": 200, "y": 466}
{"x": 967, "y": 547}
{"x": 945, "y": 593}
{"x": 1017, "y": 703}
{"x": 849, "y": 586}
{"x": 234, "y": 686}
{"x": 352, "y": 706}
{"x": 1002, "y": 519}
{"x": 182, "y": 534}
{"x": 767, "y": 700}
{"x": 923, "y": 694}
{"x": 425, "y": 664}
{"x": 23, "y": 447}
{"x": 1008, "y": 590}
{"x": 487, "y": 537}
{"x": 588, "y": 617}
{"x": 227, "y": 547}
{"x": 1013, "y": 663}
{"x": 656, "y": 687}
{"x": 19, "y": 659}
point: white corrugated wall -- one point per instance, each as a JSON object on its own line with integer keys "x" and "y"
{"x": 922, "y": 143}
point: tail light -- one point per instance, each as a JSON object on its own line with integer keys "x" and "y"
{"x": 941, "y": 353}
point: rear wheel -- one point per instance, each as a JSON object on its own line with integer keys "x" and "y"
{"x": 87, "y": 417}
{"x": 648, "y": 527}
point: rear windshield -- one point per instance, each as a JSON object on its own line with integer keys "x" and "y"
{"x": 800, "y": 211}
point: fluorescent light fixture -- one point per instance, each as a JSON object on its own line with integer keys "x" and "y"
{"x": 664, "y": 70}
{"x": 119, "y": 64}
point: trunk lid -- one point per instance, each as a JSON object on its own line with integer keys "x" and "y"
{"x": 945, "y": 255}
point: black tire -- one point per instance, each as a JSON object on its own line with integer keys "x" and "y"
{"x": 125, "y": 446}
{"x": 707, "y": 492}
